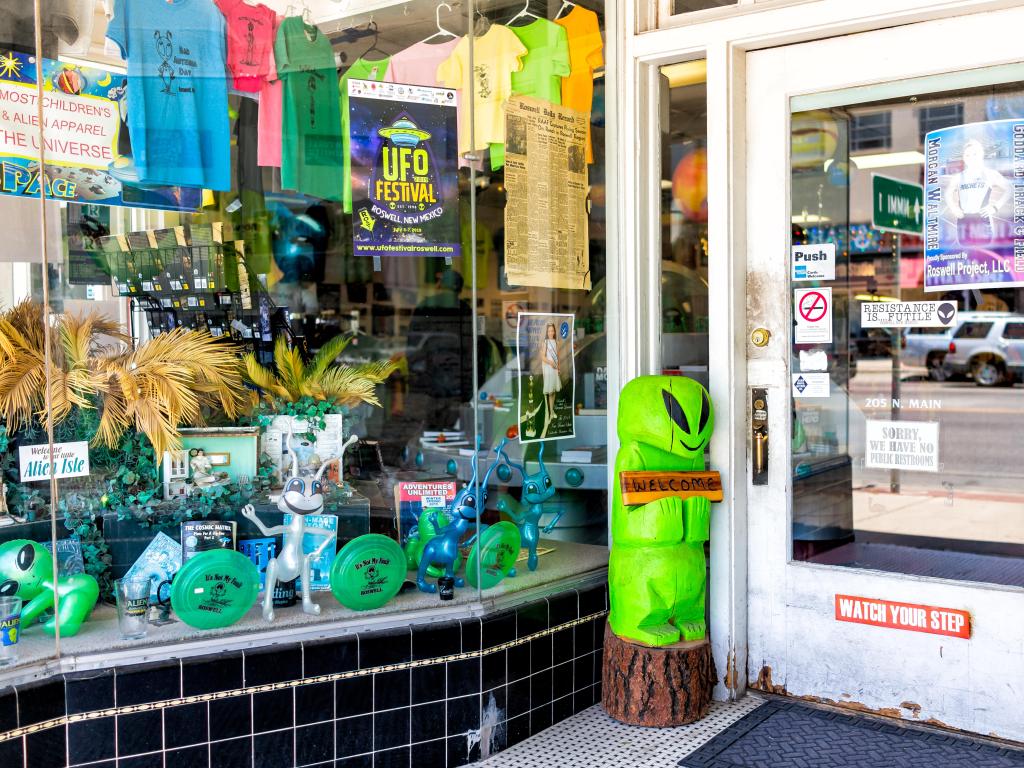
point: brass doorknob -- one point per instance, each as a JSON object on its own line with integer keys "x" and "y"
{"x": 760, "y": 337}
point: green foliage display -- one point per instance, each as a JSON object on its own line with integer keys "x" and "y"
{"x": 306, "y": 408}
{"x": 124, "y": 481}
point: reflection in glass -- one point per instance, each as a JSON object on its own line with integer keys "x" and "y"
{"x": 873, "y": 485}
{"x": 684, "y": 211}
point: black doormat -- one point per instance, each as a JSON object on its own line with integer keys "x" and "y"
{"x": 784, "y": 734}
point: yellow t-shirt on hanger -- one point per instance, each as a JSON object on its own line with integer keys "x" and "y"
{"x": 496, "y": 55}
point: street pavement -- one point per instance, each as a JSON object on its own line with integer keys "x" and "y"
{"x": 978, "y": 492}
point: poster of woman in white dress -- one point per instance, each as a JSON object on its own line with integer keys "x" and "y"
{"x": 547, "y": 376}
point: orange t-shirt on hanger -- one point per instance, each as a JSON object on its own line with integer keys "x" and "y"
{"x": 586, "y": 53}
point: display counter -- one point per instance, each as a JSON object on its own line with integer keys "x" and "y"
{"x": 418, "y": 677}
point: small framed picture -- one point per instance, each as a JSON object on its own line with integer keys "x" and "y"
{"x": 219, "y": 459}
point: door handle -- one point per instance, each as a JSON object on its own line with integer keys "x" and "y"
{"x": 759, "y": 435}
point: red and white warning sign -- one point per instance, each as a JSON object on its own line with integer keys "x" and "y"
{"x": 812, "y": 311}
{"x": 950, "y": 622}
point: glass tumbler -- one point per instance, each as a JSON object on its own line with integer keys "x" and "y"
{"x": 132, "y": 605}
{"x": 10, "y": 629}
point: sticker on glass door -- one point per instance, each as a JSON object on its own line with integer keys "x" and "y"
{"x": 813, "y": 315}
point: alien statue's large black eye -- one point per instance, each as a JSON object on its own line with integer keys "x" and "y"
{"x": 675, "y": 411}
{"x": 296, "y": 484}
{"x": 469, "y": 502}
{"x": 531, "y": 488}
{"x": 26, "y": 556}
{"x": 9, "y": 588}
{"x": 705, "y": 410}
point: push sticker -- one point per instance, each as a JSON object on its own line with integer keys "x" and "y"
{"x": 814, "y": 262}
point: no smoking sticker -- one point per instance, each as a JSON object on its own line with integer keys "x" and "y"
{"x": 812, "y": 313}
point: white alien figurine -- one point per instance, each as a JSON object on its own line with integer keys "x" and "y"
{"x": 290, "y": 563}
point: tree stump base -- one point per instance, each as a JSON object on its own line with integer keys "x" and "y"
{"x": 657, "y": 687}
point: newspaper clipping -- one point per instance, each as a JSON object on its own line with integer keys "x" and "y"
{"x": 546, "y": 238}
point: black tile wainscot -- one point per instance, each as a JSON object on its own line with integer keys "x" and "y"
{"x": 419, "y": 696}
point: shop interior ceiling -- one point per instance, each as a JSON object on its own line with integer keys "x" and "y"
{"x": 400, "y": 22}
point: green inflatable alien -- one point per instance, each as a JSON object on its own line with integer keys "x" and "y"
{"x": 26, "y": 570}
{"x": 657, "y": 570}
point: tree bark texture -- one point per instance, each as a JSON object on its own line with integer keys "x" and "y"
{"x": 656, "y": 687}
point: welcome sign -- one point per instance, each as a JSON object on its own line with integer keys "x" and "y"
{"x": 404, "y": 150}
{"x": 68, "y": 460}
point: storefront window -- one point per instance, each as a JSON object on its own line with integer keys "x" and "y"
{"x": 906, "y": 300}
{"x": 289, "y": 274}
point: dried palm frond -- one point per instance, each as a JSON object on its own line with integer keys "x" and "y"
{"x": 164, "y": 383}
{"x": 24, "y": 363}
{"x": 322, "y": 379}
{"x": 153, "y": 388}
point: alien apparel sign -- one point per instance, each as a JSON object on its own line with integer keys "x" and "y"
{"x": 85, "y": 137}
{"x": 404, "y": 150}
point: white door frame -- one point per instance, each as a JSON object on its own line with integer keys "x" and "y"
{"x": 742, "y": 543}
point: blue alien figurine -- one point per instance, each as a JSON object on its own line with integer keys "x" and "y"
{"x": 443, "y": 549}
{"x": 527, "y": 513}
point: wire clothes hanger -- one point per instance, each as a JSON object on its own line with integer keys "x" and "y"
{"x": 441, "y": 31}
{"x": 566, "y": 5}
{"x": 525, "y": 12}
{"x": 307, "y": 15}
{"x": 372, "y": 26}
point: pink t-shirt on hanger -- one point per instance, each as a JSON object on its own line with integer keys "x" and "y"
{"x": 268, "y": 151}
{"x": 417, "y": 64}
{"x": 251, "y": 31}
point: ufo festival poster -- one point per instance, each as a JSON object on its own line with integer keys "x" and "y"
{"x": 404, "y": 153}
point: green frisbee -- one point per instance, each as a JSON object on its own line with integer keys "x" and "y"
{"x": 368, "y": 572}
{"x": 495, "y": 552}
{"x": 214, "y": 588}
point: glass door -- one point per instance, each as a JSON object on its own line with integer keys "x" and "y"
{"x": 886, "y": 538}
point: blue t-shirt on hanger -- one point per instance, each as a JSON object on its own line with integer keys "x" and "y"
{"x": 177, "y": 90}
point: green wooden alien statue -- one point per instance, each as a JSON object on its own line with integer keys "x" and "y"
{"x": 657, "y": 570}
{"x": 26, "y": 570}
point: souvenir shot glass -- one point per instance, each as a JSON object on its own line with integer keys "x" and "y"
{"x": 10, "y": 629}
{"x": 132, "y": 607}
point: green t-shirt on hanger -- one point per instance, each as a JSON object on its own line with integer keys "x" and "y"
{"x": 311, "y": 125}
{"x": 361, "y": 69}
{"x": 544, "y": 65}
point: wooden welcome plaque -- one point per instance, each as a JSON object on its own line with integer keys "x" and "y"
{"x": 644, "y": 487}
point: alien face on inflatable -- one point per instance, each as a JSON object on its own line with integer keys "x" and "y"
{"x": 24, "y": 567}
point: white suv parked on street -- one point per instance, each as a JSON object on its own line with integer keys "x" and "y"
{"x": 990, "y": 350}
{"x": 925, "y": 349}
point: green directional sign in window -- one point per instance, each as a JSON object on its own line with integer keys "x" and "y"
{"x": 897, "y": 206}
